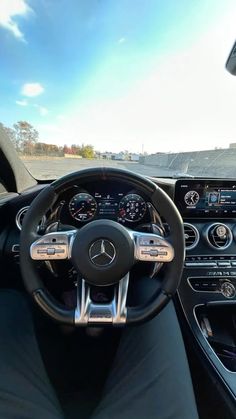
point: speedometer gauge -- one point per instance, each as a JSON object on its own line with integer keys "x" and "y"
{"x": 132, "y": 208}
{"x": 83, "y": 207}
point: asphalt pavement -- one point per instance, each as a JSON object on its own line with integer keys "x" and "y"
{"x": 46, "y": 168}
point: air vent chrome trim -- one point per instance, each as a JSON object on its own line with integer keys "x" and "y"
{"x": 229, "y": 232}
{"x": 18, "y": 216}
{"x": 197, "y": 236}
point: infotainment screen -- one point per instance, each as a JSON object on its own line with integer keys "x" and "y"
{"x": 213, "y": 198}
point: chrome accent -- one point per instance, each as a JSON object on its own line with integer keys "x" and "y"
{"x": 150, "y": 247}
{"x": 15, "y": 248}
{"x": 157, "y": 267}
{"x": 53, "y": 246}
{"x": 221, "y": 279}
{"x": 200, "y": 264}
{"x": 206, "y": 328}
{"x": 156, "y": 219}
{"x": 19, "y": 214}
{"x": 52, "y": 227}
{"x": 49, "y": 266}
{"x": 203, "y": 277}
{"x": 88, "y": 312}
{"x": 227, "y": 289}
{"x": 106, "y": 250}
{"x": 229, "y": 232}
{"x": 197, "y": 236}
{"x": 209, "y": 255}
{"x": 221, "y": 230}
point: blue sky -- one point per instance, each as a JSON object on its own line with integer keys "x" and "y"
{"x": 115, "y": 73}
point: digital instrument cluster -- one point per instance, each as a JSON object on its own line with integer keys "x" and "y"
{"x": 206, "y": 198}
{"x": 84, "y": 207}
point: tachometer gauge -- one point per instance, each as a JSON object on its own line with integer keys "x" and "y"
{"x": 191, "y": 198}
{"x": 83, "y": 207}
{"x": 132, "y": 208}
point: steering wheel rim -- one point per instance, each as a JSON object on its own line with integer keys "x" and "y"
{"x": 128, "y": 315}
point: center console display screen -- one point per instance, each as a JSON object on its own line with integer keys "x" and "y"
{"x": 213, "y": 198}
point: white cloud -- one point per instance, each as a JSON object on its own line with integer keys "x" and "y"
{"x": 22, "y": 102}
{"x": 32, "y": 89}
{"x": 122, "y": 40}
{"x": 43, "y": 111}
{"x": 9, "y": 9}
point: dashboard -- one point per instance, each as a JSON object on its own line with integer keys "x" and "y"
{"x": 208, "y": 208}
{"x": 111, "y": 200}
{"x": 85, "y": 207}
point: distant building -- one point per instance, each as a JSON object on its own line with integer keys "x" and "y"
{"x": 134, "y": 157}
{"x": 232, "y": 145}
{"x": 118, "y": 156}
{"x": 122, "y": 156}
{"x": 106, "y": 155}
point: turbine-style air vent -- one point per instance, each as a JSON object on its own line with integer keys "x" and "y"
{"x": 219, "y": 236}
{"x": 20, "y": 217}
{"x": 191, "y": 235}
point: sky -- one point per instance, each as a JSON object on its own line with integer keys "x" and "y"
{"x": 121, "y": 75}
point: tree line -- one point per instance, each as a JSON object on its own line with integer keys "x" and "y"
{"x": 25, "y": 139}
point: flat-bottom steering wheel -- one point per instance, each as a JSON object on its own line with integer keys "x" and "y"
{"x": 103, "y": 253}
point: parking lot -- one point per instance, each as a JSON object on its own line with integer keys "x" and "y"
{"x": 51, "y": 168}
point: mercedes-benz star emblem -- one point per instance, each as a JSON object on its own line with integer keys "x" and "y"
{"x": 102, "y": 252}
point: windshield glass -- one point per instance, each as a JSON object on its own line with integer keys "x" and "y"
{"x": 135, "y": 84}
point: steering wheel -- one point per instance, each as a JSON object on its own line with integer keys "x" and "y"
{"x": 102, "y": 252}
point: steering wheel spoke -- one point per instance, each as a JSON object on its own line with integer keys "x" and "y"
{"x": 53, "y": 246}
{"x": 89, "y": 312}
{"x": 149, "y": 247}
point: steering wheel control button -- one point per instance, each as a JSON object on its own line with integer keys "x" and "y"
{"x": 228, "y": 289}
{"x": 51, "y": 251}
{"x": 154, "y": 252}
{"x": 152, "y": 248}
{"x": 52, "y": 246}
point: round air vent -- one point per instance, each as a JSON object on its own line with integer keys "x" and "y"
{"x": 191, "y": 236}
{"x": 219, "y": 236}
{"x": 20, "y": 217}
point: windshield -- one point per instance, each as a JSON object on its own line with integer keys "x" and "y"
{"x": 134, "y": 84}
